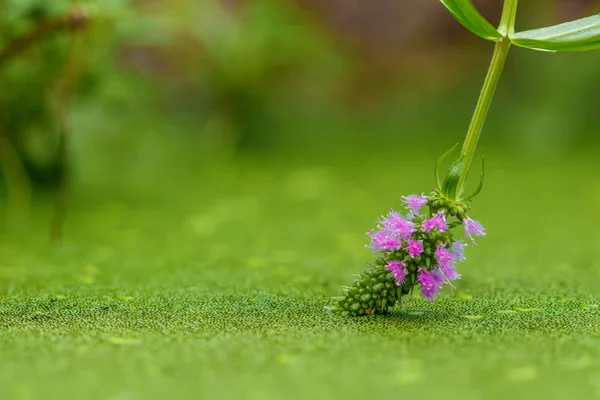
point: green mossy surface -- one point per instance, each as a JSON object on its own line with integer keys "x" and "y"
{"x": 213, "y": 284}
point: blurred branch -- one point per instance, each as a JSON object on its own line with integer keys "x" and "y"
{"x": 16, "y": 176}
{"x": 66, "y": 86}
{"x": 17, "y": 182}
{"x": 75, "y": 20}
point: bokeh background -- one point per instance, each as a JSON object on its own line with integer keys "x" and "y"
{"x": 153, "y": 90}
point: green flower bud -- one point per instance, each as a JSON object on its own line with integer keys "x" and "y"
{"x": 375, "y": 291}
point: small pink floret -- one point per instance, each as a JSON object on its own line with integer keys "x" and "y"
{"x": 431, "y": 282}
{"x": 414, "y": 202}
{"x": 398, "y": 225}
{"x": 415, "y": 247}
{"x": 398, "y": 269}
{"x": 473, "y": 228}
{"x": 446, "y": 263}
{"x": 438, "y": 221}
{"x": 383, "y": 240}
{"x": 458, "y": 250}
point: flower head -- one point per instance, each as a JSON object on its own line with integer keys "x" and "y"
{"x": 383, "y": 240}
{"x": 398, "y": 269}
{"x": 445, "y": 263}
{"x": 437, "y": 221}
{"x": 414, "y": 247}
{"x": 414, "y": 202}
{"x": 398, "y": 225}
{"x": 473, "y": 228}
{"x": 431, "y": 282}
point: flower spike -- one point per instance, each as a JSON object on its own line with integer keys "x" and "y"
{"x": 421, "y": 253}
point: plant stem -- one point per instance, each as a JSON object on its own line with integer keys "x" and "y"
{"x": 509, "y": 15}
{"x": 492, "y": 78}
{"x": 66, "y": 87}
{"x": 74, "y": 20}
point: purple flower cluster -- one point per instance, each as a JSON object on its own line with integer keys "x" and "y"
{"x": 442, "y": 273}
{"x": 422, "y": 246}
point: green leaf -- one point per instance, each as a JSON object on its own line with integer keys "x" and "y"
{"x": 579, "y": 35}
{"x": 450, "y": 186}
{"x": 469, "y": 17}
{"x": 480, "y": 186}
{"x": 439, "y": 164}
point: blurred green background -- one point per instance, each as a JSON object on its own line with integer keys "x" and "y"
{"x": 224, "y": 79}
{"x": 223, "y": 161}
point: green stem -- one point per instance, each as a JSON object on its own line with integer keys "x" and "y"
{"x": 509, "y": 15}
{"x": 492, "y": 78}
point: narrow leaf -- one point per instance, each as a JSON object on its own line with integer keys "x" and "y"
{"x": 439, "y": 164}
{"x": 481, "y": 178}
{"x": 450, "y": 187}
{"x": 470, "y": 18}
{"x": 579, "y": 35}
